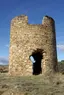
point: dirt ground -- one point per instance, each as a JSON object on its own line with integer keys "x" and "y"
{"x": 32, "y": 85}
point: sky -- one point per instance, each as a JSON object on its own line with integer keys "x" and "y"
{"x": 35, "y": 10}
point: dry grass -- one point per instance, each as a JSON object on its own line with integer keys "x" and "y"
{"x": 32, "y": 85}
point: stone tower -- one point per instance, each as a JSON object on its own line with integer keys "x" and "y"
{"x": 29, "y": 39}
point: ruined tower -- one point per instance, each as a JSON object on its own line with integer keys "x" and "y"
{"x": 29, "y": 39}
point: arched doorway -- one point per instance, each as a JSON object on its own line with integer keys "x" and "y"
{"x": 36, "y": 59}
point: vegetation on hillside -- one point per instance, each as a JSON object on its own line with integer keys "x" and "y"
{"x": 61, "y": 62}
{"x": 61, "y": 66}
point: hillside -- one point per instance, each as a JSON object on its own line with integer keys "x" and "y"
{"x": 4, "y": 68}
{"x": 61, "y": 66}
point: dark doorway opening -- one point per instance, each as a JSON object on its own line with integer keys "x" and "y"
{"x": 37, "y": 56}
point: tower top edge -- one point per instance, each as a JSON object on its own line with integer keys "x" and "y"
{"x": 20, "y": 16}
{"x": 24, "y": 18}
{"x": 48, "y": 17}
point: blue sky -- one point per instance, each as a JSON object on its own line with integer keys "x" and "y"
{"x": 35, "y": 10}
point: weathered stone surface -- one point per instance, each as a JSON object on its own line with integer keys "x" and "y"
{"x": 25, "y": 38}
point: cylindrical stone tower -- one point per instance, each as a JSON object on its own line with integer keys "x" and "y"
{"x": 32, "y": 39}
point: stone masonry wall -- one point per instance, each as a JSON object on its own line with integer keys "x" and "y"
{"x": 25, "y": 38}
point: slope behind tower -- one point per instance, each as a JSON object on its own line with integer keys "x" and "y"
{"x": 27, "y": 39}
